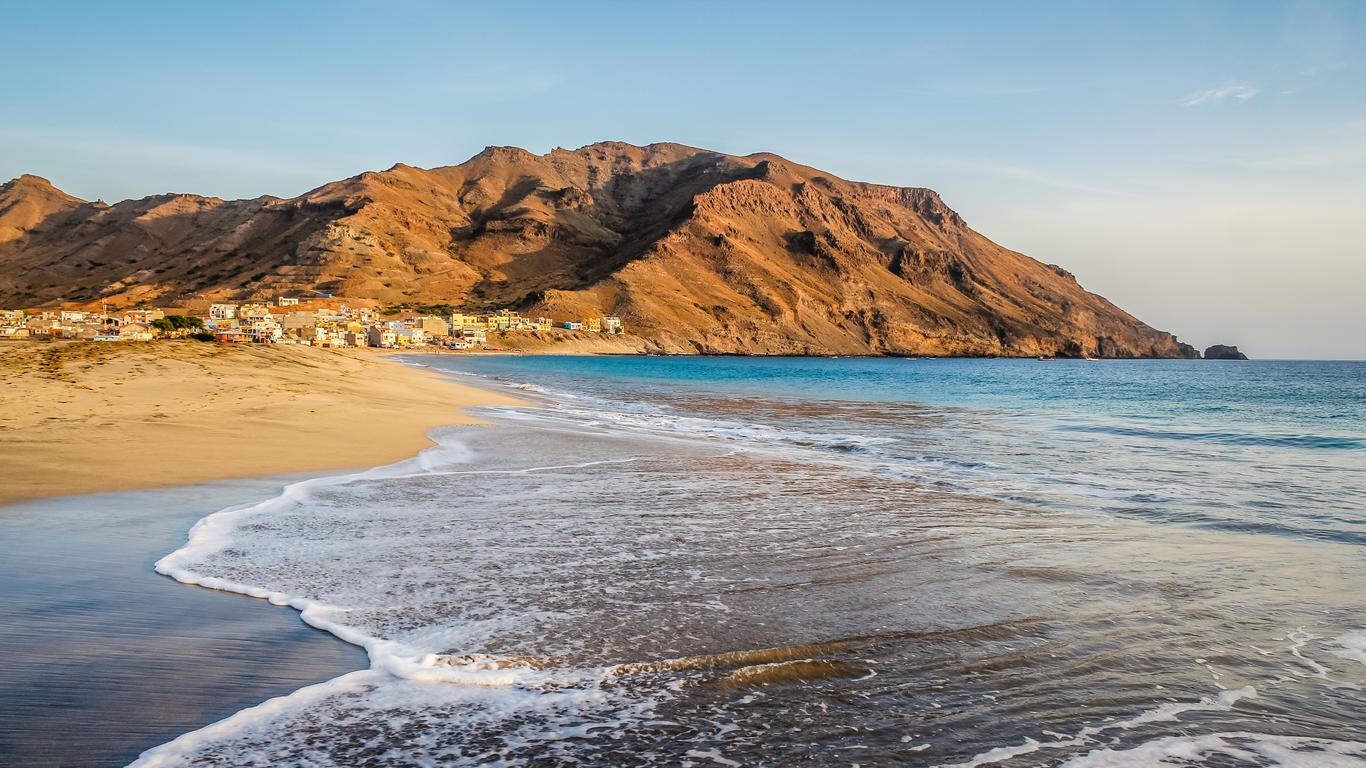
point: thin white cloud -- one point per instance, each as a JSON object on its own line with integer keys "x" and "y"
{"x": 1023, "y": 174}
{"x": 1234, "y": 91}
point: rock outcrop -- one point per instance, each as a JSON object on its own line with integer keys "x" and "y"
{"x": 697, "y": 251}
{"x": 1224, "y": 352}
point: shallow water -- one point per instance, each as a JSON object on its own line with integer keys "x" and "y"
{"x": 102, "y": 658}
{"x": 768, "y": 562}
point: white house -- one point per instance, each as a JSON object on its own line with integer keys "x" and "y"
{"x": 222, "y": 311}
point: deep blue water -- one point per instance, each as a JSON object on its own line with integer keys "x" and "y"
{"x": 1277, "y": 447}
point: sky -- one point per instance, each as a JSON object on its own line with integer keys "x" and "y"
{"x": 1201, "y": 164}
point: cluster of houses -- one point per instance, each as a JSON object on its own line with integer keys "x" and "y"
{"x": 287, "y": 321}
{"x": 130, "y": 325}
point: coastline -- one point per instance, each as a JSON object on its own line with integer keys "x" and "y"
{"x": 116, "y": 417}
{"x": 126, "y": 639}
{"x": 104, "y": 659}
{"x": 500, "y": 452}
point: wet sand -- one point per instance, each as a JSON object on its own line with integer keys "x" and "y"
{"x": 104, "y": 659}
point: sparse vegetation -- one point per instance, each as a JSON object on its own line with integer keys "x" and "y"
{"x": 171, "y": 324}
{"x": 421, "y": 309}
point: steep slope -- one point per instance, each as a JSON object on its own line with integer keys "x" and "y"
{"x": 27, "y": 202}
{"x": 698, "y": 251}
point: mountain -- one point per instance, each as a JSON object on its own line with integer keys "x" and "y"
{"x": 697, "y": 251}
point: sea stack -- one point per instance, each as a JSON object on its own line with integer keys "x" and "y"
{"x": 1224, "y": 352}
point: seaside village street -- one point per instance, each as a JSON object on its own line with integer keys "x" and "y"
{"x": 319, "y": 322}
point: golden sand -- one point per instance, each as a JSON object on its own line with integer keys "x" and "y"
{"x": 84, "y": 417}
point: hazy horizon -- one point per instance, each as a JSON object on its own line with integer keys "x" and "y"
{"x": 1203, "y": 167}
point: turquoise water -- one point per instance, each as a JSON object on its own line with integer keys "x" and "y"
{"x": 1275, "y": 446}
{"x": 1294, "y": 403}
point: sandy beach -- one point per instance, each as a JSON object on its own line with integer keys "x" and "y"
{"x": 83, "y": 417}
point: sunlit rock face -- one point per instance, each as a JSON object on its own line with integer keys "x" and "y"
{"x": 696, "y": 251}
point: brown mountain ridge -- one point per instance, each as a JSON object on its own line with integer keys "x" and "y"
{"x": 696, "y": 251}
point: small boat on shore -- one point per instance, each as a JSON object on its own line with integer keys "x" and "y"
{"x": 1043, "y": 359}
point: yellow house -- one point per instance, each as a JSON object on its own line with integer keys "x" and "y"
{"x": 434, "y": 327}
{"x": 593, "y": 324}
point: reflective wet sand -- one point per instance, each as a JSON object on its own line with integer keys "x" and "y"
{"x": 103, "y": 658}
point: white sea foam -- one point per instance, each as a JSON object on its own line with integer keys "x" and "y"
{"x": 1166, "y": 712}
{"x": 250, "y": 720}
{"x": 1352, "y": 645}
{"x": 1001, "y": 754}
{"x": 342, "y": 551}
{"x": 401, "y": 722}
{"x": 221, "y": 531}
{"x": 1057, "y": 487}
{"x": 1298, "y": 639}
{"x": 645, "y": 419}
{"x": 473, "y": 615}
{"x": 653, "y": 423}
{"x": 502, "y": 581}
{"x": 971, "y": 476}
{"x": 1227, "y": 749}
{"x": 1170, "y": 711}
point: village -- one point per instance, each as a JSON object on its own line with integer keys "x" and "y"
{"x": 324, "y": 322}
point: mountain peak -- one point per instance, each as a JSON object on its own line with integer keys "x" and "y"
{"x": 28, "y": 201}
{"x": 28, "y": 184}
{"x": 697, "y": 251}
{"x": 29, "y": 180}
{"x": 504, "y": 154}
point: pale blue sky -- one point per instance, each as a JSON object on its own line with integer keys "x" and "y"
{"x": 1203, "y": 164}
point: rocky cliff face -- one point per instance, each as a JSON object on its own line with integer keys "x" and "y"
{"x": 1223, "y": 352}
{"x": 697, "y": 251}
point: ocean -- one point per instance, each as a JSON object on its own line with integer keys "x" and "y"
{"x": 771, "y": 561}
